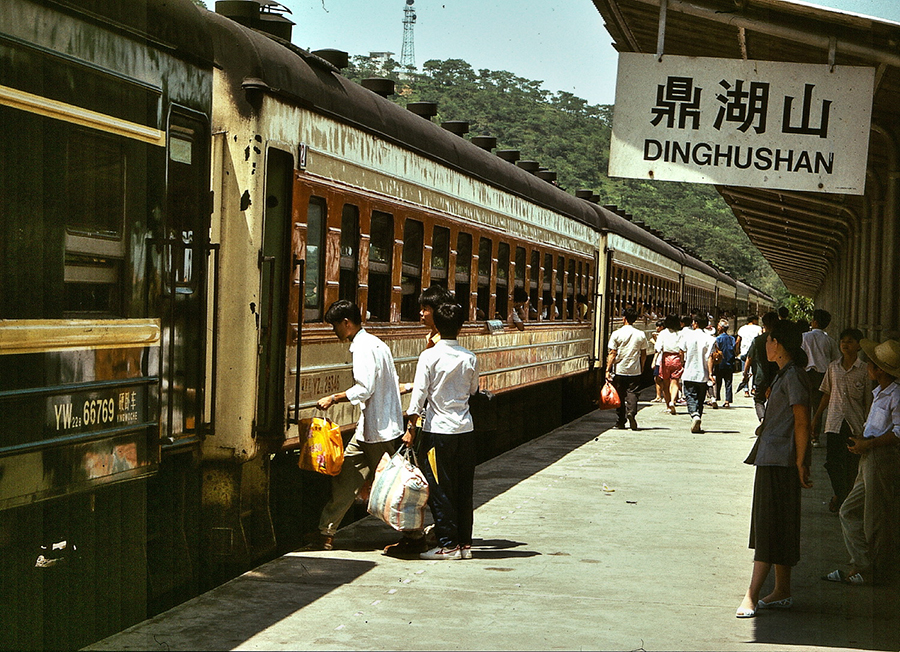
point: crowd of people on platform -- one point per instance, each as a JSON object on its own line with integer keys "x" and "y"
{"x": 806, "y": 387}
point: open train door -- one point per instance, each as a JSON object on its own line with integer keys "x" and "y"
{"x": 275, "y": 271}
{"x": 183, "y": 251}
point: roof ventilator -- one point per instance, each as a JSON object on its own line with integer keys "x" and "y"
{"x": 379, "y": 85}
{"x": 458, "y": 127}
{"x": 263, "y": 15}
{"x": 337, "y": 58}
{"x": 426, "y": 110}
{"x": 511, "y": 155}
{"x": 485, "y": 142}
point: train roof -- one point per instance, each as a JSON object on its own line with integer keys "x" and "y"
{"x": 301, "y": 77}
{"x": 175, "y": 25}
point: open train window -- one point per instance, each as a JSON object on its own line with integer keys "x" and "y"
{"x": 315, "y": 260}
{"x": 533, "y": 291}
{"x": 558, "y": 287}
{"x": 546, "y": 290}
{"x": 95, "y": 185}
{"x": 463, "y": 280}
{"x": 349, "y": 276}
{"x": 411, "y": 277}
{"x": 485, "y": 253}
{"x": 502, "y": 280}
{"x": 381, "y": 249}
{"x": 440, "y": 255}
{"x": 520, "y": 267}
{"x": 570, "y": 290}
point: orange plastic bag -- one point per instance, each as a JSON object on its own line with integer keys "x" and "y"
{"x": 323, "y": 448}
{"x": 609, "y": 397}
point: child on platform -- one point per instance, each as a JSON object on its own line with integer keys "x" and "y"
{"x": 446, "y": 376}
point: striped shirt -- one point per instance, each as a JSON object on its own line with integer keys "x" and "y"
{"x": 849, "y": 396}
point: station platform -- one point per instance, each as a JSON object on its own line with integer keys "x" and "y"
{"x": 586, "y": 538}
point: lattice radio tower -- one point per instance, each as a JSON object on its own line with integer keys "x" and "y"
{"x": 408, "y": 53}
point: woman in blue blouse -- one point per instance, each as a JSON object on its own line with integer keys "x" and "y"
{"x": 782, "y": 468}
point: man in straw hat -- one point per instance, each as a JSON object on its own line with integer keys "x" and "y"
{"x": 868, "y": 516}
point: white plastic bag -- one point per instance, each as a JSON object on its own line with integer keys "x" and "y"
{"x": 399, "y": 492}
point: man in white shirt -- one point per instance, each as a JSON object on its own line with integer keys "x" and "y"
{"x": 869, "y": 514}
{"x": 821, "y": 350}
{"x": 380, "y": 426}
{"x": 745, "y": 336}
{"x": 627, "y": 353}
{"x": 697, "y": 345}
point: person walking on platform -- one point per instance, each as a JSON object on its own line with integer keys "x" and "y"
{"x": 869, "y": 514}
{"x": 380, "y": 426}
{"x": 628, "y": 348}
{"x": 697, "y": 346}
{"x": 846, "y": 393}
{"x": 759, "y": 368}
{"x": 781, "y": 456}
{"x": 745, "y": 336}
{"x": 821, "y": 350}
{"x": 723, "y": 371}
{"x": 671, "y": 360}
{"x": 446, "y": 376}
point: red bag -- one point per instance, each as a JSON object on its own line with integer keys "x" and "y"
{"x": 609, "y": 397}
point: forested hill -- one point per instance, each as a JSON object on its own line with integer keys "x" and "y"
{"x": 566, "y": 134}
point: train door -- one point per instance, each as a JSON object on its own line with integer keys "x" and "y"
{"x": 274, "y": 271}
{"x": 183, "y": 249}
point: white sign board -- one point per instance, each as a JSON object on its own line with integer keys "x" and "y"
{"x": 765, "y": 124}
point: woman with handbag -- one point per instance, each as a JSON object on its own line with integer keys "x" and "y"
{"x": 781, "y": 457}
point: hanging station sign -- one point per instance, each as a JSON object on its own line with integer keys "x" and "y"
{"x": 764, "y": 124}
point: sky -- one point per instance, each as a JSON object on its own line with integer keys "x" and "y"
{"x": 560, "y": 42}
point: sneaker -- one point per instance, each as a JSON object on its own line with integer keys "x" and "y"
{"x": 465, "y": 552}
{"x": 440, "y": 553}
{"x": 406, "y": 546}
{"x": 695, "y": 426}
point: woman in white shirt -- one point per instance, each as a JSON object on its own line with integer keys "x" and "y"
{"x": 671, "y": 360}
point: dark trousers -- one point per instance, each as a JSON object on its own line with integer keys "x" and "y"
{"x": 451, "y": 483}
{"x": 815, "y": 397}
{"x": 627, "y": 387}
{"x": 841, "y": 464}
{"x": 724, "y": 373}
{"x": 694, "y": 394}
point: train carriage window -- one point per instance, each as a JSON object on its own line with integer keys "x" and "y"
{"x": 381, "y": 241}
{"x": 440, "y": 255}
{"x": 349, "y": 275}
{"x": 560, "y": 296}
{"x": 534, "y": 292}
{"x": 314, "y": 280}
{"x": 483, "y": 303}
{"x": 520, "y": 267}
{"x": 463, "y": 279}
{"x": 411, "y": 277}
{"x": 549, "y": 310}
{"x": 570, "y": 290}
{"x": 502, "y": 280}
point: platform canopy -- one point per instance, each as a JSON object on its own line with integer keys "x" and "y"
{"x": 803, "y": 235}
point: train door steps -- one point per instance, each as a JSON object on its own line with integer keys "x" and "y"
{"x": 588, "y": 537}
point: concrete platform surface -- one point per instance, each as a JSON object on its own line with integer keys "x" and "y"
{"x": 586, "y": 538}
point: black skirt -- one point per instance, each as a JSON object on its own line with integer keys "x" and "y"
{"x": 775, "y": 519}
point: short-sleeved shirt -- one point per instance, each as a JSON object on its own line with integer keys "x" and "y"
{"x": 748, "y": 333}
{"x": 848, "y": 391}
{"x": 776, "y": 439}
{"x": 668, "y": 341}
{"x": 820, "y": 349}
{"x": 628, "y": 342}
{"x": 763, "y": 370}
{"x": 376, "y": 389}
{"x": 884, "y": 415}
{"x": 697, "y": 346}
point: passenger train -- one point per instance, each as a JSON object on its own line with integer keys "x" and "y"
{"x": 182, "y": 195}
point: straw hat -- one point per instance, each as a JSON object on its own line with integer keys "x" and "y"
{"x": 886, "y": 355}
